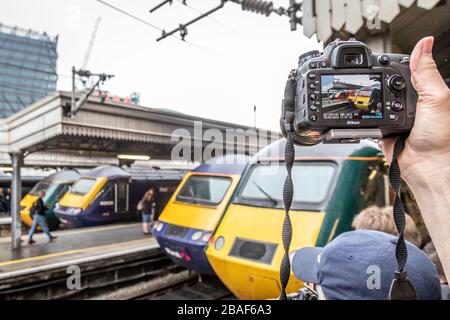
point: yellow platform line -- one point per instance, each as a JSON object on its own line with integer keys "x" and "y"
{"x": 57, "y": 254}
{"x": 69, "y": 232}
{"x": 63, "y": 253}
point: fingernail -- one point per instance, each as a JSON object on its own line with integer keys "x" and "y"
{"x": 428, "y": 44}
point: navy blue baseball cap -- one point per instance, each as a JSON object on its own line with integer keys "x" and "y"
{"x": 360, "y": 265}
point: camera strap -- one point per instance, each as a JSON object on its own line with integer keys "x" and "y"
{"x": 288, "y": 188}
{"x": 401, "y": 286}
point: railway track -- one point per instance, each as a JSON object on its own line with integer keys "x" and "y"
{"x": 97, "y": 278}
{"x": 145, "y": 275}
{"x": 200, "y": 288}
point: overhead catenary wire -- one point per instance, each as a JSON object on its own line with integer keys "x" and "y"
{"x": 161, "y": 5}
{"x": 256, "y": 6}
{"x": 132, "y": 16}
{"x": 184, "y": 2}
{"x": 183, "y": 27}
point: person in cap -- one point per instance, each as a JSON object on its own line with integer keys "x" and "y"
{"x": 382, "y": 219}
{"x": 360, "y": 265}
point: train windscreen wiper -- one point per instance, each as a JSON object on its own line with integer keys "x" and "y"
{"x": 268, "y": 196}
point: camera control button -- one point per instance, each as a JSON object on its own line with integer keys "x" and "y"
{"x": 313, "y": 118}
{"x": 384, "y": 59}
{"x": 396, "y": 83}
{"x": 313, "y": 65}
{"x": 312, "y": 96}
{"x": 312, "y": 75}
{"x": 312, "y": 86}
{"x": 393, "y": 117}
{"x": 397, "y": 106}
{"x": 323, "y": 64}
{"x": 313, "y": 108}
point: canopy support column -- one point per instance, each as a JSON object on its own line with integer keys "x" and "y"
{"x": 16, "y": 194}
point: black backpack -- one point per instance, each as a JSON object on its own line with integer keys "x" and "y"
{"x": 33, "y": 209}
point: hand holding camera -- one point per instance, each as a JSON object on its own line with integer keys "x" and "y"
{"x": 348, "y": 93}
{"x": 427, "y": 147}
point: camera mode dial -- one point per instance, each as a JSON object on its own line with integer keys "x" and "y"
{"x": 396, "y": 83}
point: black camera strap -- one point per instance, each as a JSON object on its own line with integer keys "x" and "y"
{"x": 401, "y": 287}
{"x": 288, "y": 188}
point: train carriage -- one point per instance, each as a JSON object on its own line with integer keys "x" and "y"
{"x": 332, "y": 183}
{"x": 185, "y": 226}
{"x": 109, "y": 194}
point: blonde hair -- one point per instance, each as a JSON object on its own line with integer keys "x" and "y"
{"x": 382, "y": 219}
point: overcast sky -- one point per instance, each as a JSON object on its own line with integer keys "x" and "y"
{"x": 246, "y": 61}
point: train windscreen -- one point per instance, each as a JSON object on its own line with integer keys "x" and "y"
{"x": 207, "y": 190}
{"x": 47, "y": 187}
{"x": 264, "y": 183}
{"x": 82, "y": 186}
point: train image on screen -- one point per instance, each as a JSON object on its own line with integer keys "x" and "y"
{"x": 351, "y": 96}
{"x": 109, "y": 194}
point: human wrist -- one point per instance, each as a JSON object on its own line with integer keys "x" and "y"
{"x": 432, "y": 175}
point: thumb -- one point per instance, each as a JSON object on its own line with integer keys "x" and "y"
{"x": 424, "y": 73}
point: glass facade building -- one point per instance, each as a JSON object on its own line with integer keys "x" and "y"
{"x": 27, "y": 68}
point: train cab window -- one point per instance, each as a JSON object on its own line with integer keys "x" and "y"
{"x": 264, "y": 184}
{"x": 207, "y": 190}
{"x": 48, "y": 187}
{"x": 62, "y": 190}
{"x": 374, "y": 190}
{"x": 83, "y": 186}
{"x": 109, "y": 193}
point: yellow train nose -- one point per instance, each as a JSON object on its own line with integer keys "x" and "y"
{"x": 25, "y": 206}
{"x": 248, "y": 260}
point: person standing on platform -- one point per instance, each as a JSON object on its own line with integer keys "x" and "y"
{"x": 3, "y": 208}
{"x": 147, "y": 207}
{"x": 39, "y": 219}
{"x": 7, "y": 197}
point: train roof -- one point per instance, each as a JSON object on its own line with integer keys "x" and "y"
{"x": 228, "y": 164}
{"x": 365, "y": 148}
{"x": 138, "y": 173}
{"x": 63, "y": 175}
{"x": 146, "y": 173}
{"x": 107, "y": 171}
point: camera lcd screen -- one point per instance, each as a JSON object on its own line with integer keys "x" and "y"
{"x": 351, "y": 96}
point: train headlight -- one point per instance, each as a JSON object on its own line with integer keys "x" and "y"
{"x": 197, "y": 235}
{"x": 206, "y": 236}
{"x": 219, "y": 243}
{"x": 74, "y": 210}
{"x": 159, "y": 226}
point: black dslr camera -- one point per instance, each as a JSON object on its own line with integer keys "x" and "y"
{"x": 348, "y": 93}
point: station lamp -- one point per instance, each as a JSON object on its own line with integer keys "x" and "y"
{"x": 132, "y": 157}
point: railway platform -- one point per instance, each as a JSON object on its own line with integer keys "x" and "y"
{"x": 103, "y": 255}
